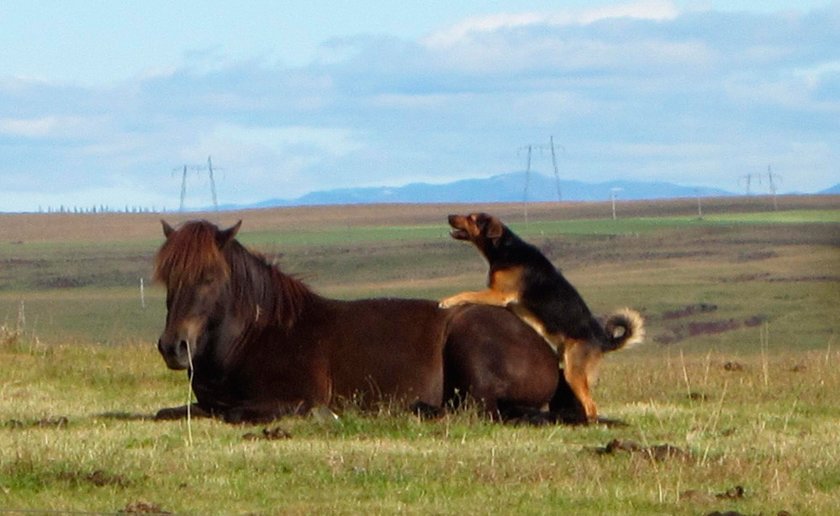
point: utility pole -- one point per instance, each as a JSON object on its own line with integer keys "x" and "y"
{"x": 699, "y": 206}
{"x": 613, "y": 193}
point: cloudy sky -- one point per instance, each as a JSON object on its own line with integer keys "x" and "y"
{"x": 100, "y": 100}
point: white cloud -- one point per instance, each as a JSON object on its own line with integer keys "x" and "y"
{"x": 50, "y": 126}
{"x": 37, "y": 127}
{"x": 657, "y": 10}
{"x": 638, "y": 89}
{"x": 327, "y": 140}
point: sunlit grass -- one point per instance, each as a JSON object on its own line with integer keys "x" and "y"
{"x": 752, "y": 406}
{"x": 767, "y": 427}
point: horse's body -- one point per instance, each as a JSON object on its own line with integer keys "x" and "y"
{"x": 366, "y": 350}
{"x": 260, "y": 344}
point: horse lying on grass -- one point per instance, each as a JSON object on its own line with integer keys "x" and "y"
{"x": 259, "y": 344}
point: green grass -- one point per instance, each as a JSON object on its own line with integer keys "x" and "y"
{"x": 768, "y": 428}
{"x": 786, "y": 272}
{"x": 747, "y": 388}
{"x": 337, "y": 236}
{"x": 782, "y": 217}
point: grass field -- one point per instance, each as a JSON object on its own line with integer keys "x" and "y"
{"x": 730, "y": 405}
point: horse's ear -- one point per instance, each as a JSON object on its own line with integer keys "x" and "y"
{"x": 167, "y": 229}
{"x": 223, "y": 237}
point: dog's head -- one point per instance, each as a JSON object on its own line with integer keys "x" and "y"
{"x": 479, "y": 228}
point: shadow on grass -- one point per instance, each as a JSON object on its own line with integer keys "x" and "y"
{"x": 126, "y": 416}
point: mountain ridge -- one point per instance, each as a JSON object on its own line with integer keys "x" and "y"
{"x": 510, "y": 187}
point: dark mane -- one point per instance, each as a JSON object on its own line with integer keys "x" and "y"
{"x": 262, "y": 290}
{"x": 189, "y": 255}
{"x": 263, "y": 293}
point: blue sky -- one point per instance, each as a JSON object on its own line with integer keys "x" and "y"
{"x": 101, "y": 100}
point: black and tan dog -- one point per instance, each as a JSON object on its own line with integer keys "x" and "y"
{"x": 524, "y": 280}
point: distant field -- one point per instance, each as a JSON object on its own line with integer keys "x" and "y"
{"x": 82, "y": 284}
{"x": 739, "y": 374}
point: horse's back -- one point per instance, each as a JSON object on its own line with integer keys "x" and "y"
{"x": 384, "y": 348}
{"x": 498, "y": 360}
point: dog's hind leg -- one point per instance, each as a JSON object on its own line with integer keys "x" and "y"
{"x": 579, "y": 358}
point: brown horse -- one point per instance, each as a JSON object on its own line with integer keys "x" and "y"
{"x": 260, "y": 344}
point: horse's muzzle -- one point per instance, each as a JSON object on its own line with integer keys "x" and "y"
{"x": 176, "y": 354}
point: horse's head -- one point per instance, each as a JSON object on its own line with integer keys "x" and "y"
{"x": 192, "y": 266}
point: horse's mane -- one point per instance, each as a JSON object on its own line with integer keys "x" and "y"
{"x": 192, "y": 255}
{"x": 189, "y": 255}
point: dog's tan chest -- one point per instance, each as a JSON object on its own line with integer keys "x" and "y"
{"x": 508, "y": 280}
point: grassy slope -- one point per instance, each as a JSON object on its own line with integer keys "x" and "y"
{"x": 753, "y": 406}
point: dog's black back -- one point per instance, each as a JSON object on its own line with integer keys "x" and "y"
{"x": 545, "y": 292}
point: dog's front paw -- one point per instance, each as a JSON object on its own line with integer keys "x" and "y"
{"x": 449, "y": 302}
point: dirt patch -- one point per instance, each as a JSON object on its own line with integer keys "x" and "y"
{"x": 141, "y": 507}
{"x": 697, "y": 496}
{"x": 711, "y": 327}
{"x": 58, "y": 282}
{"x": 98, "y": 478}
{"x": 747, "y": 277}
{"x": 801, "y": 279}
{"x": 751, "y": 256}
{"x": 677, "y": 332}
{"x": 655, "y": 452}
{"x": 268, "y": 434}
{"x": 733, "y": 366}
{"x": 689, "y": 310}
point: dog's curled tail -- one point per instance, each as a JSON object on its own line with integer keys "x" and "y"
{"x": 624, "y": 328}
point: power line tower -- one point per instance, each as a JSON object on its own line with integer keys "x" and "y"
{"x": 530, "y": 148}
{"x": 198, "y": 168}
{"x": 746, "y": 179}
{"x": 771, "y": 181}
{"x": 556, "y": 172}
{"x": 527, "y": 182}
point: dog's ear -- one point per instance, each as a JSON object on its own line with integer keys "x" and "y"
{"x": 495, "y": 229}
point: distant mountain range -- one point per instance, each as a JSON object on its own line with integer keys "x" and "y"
{"x": 502, "y": 188}
{"x": 834, "y": 190}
